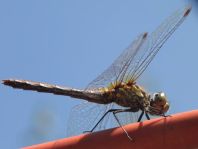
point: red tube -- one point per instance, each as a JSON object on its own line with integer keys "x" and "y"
{"x": 179, "y": 131}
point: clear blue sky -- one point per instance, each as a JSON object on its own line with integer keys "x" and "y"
{"x": 70, "y": 43}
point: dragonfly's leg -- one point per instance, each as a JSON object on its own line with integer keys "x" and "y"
{"x": 122, "y": 110}
{"x": 140, "y": 117}
{"x": 111, "y": 110}
{"x": 114, "y": 114}
{"x": 147, "y": 116}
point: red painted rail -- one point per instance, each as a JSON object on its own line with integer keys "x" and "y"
{"x": 179, "y": 131}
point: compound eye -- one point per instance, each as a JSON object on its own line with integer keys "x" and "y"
{"x": 156, "y": 95}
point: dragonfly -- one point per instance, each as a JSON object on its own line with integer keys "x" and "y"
{"x": 115, "y": 90}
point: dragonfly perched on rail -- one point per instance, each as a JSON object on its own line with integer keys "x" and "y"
{"x": 115, "y": 90}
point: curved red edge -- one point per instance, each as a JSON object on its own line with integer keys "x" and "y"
{"x": 178, "y": 131}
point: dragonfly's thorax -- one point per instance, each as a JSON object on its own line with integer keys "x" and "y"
{"x": 127, "y": 95}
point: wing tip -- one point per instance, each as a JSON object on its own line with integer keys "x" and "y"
{"x": 187, "y": 11}
{"x": 145, "y": 35}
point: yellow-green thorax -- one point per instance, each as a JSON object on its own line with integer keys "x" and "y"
{"x": 127, "y": 94}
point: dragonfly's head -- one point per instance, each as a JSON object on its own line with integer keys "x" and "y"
{"x": 159, "y": 104}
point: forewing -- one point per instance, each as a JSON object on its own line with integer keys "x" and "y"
{"x": 119, "y": 66}
{"x": 154, "y": 42}
{"x": 135, "y": 59}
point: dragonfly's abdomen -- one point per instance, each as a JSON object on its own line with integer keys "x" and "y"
{"x": 55, "y": 89}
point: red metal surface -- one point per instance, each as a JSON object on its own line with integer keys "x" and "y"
{"x": 179, "y": 131}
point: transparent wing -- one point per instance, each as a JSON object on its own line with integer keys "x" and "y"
{"x": 154, "y": 42}
{"x": 84, "y": 117}
{"x": 135, "y": 59}
{"x": 119, "y": 66}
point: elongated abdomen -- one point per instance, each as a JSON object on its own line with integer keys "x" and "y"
{"x": 91, "y": 96}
